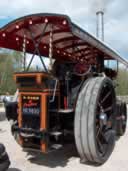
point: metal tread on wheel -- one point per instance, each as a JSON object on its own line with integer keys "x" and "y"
{"x": 95, "y": 120}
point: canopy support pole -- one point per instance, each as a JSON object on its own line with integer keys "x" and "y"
{"x": 24, "y": 53}
{"x": 51, "y": 48}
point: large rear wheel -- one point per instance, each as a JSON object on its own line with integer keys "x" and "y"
{"x": 95, "y": 120}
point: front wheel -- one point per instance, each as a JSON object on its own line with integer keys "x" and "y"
{"x": 95, "y": 120}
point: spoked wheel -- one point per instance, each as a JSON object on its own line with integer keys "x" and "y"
{"x": 95, "y": 121}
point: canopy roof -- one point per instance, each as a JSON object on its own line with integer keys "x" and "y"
{"x": 70, "y": 42}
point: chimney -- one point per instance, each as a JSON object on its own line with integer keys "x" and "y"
{"x": 100, "y": 25}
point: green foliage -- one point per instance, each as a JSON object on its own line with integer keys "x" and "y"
{"x": 17, "y": 58}
{"x": 10, "y": 62}
{"x": 122, "y": 81}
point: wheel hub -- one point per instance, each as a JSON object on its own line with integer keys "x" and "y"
{"x": 103, "y": 119}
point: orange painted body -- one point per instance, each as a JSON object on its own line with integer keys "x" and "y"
{"x": 38, "y": 91}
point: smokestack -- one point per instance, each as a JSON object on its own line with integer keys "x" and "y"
{"x": 100, "y": 25}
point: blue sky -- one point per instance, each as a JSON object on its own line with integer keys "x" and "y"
{"x": 4, "y": 21}
{"x": 82, "y": 12}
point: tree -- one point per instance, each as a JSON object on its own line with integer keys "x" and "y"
{"x": 17, "y": 60}
{"x": 10, "y": 62}
{"x": 122, "y": 81}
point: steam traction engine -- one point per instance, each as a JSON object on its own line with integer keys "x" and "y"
{"x": 72, "y": 101}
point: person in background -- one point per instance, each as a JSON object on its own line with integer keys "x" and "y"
{"x": 7, "y": 97}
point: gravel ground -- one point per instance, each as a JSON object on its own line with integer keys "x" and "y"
{"x": 63, "y": 160}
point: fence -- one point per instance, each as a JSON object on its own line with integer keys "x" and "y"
{"x": 123, "y": 98}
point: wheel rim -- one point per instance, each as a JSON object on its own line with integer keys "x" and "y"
{"x": 105, "y": 119}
